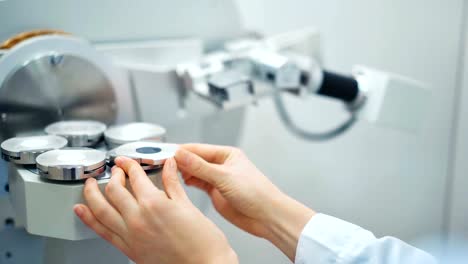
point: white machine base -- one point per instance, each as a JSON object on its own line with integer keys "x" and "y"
{"x": 45, "y": 208}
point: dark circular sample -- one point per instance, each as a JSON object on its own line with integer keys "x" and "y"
{"x": 148, "y": 150}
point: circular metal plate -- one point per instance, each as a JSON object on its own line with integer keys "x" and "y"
{"x": 122, "y": 134}
{"x": 78, "y": 133}
{"x": 24, "y": 150}
{"x": 150, "y": 155}
{"x": 71, "y": 164}
{"x": 51, "y": 78}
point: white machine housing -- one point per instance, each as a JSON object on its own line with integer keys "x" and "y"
{"x": 391, "y": 100}
{"x": 45, "y": 208}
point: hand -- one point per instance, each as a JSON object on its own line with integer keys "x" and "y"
{"x": 152, "y": 226}
{"x": 243, "y": 195}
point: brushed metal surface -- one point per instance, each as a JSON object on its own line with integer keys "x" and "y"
{"x": 24, "y": 150}
{"x": 79, "y": 133}
{"x": 71, "y": 164}
{"x": 51, "y": 88}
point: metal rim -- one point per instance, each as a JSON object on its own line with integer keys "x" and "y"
{"x": 56, "y": 165}
{"x": 68, "y": 130}
{"x": 27, "y": 154}
{"x": 145, "y": 167}
{"x": 72, "y": 174}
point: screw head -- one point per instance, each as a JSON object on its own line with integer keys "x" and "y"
{"x": 56, "y": 59}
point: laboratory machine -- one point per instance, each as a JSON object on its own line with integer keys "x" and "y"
{"x": 72, "y": 98}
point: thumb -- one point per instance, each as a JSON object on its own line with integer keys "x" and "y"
{"x": 198, "y": 167}
{"x": 172, "y": 185}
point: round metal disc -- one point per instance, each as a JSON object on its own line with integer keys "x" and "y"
{"x": 24, "y": 150}
{"x": 71, "y": 164}
{"x": 78, "y": 133}
{"x": 127, "y": 133}
{"x": 149, "y": 154}
{"x": 51, "y": 78}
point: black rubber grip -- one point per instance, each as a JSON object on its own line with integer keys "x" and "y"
{"x": 339, "y": 86}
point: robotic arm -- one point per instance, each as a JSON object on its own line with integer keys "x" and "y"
{"x": 235, "y": 76}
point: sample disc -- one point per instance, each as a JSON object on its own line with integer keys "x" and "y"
{"x": 150, "y": 155}
{"x": 71, "y": 164}
{"x": 24, "y": 150}
{"x": 78, "y": 133}
{"x": 127, "y": 133}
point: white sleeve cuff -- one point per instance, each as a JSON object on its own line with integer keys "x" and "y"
{"x": 326, "y": 239}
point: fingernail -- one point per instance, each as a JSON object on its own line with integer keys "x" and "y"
{"x": 79, "y": 211}
{"x": 89, "y": 180}
{"x": 118, "y": 160}
{"x": 113, "y": 168}
{"x": 184, "y": 157}
{"x": 172, "y": 163}
{"x": 168, "y": 163}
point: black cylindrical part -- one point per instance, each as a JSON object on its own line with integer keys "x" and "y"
{"x": 339, "y": 86}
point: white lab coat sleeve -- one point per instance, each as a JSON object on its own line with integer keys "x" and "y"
{"x": 326, "y": 239}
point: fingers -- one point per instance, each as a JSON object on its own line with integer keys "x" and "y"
{"x": 88, "y": 218}
{"x": 200, "y": 184}
{"x": 119, "y": 196}
{"x": 210, "y": 153}
{"x": 198, "y": 167}
{"x": 196, "y": 182}
{"x": 139, "y": 181}
{"x": 101, "y": 209}
{"x": 172, "y": 186}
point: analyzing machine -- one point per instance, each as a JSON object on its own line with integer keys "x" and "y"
{"x": 59, "y": 90}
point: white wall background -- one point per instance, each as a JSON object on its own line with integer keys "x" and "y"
{"x": 387, "y": 181}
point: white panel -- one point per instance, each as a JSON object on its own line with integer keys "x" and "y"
{"x": 459, "y": 206}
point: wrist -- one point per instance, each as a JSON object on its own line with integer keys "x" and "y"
{"x": 285, "y": 222}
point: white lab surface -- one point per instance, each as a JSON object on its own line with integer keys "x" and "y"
{"x": 326, "y": 239}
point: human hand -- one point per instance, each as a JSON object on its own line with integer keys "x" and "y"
{"x": 152, "y": 226}
{"x": 243, "y": 195}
